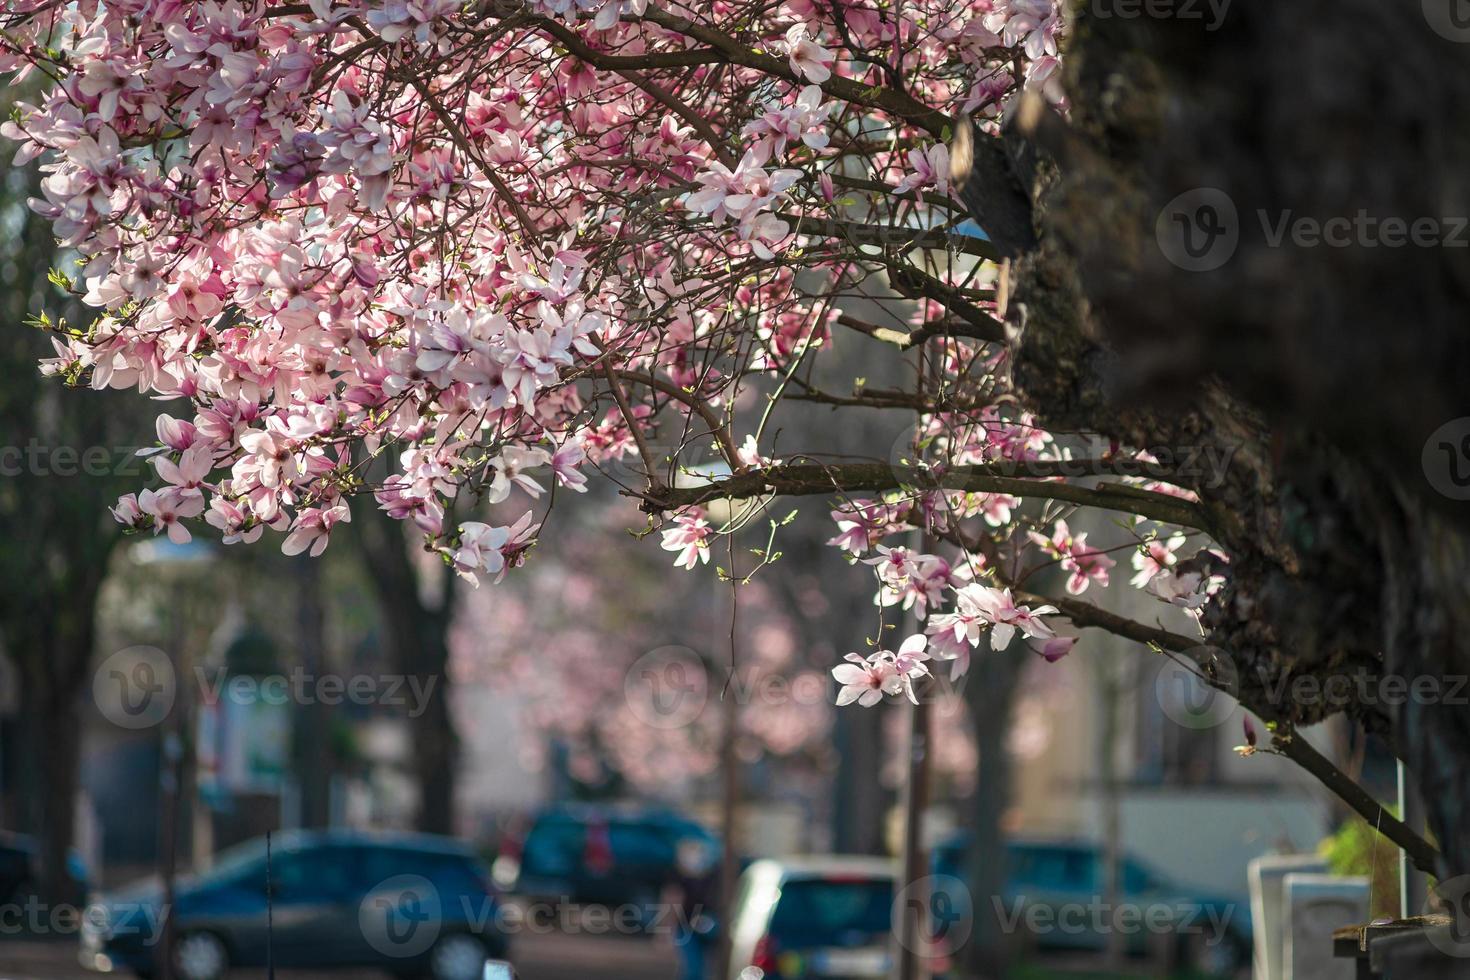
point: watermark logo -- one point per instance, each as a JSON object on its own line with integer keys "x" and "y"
{"x": 402, "y": 916}
{"x": 944, "y": 910}
{"x": 1199, "y": 230}
{"x": 135, "y": 688}
{"x": 1446, "y": 459}
{"x": 667, "y": 687}
{"x": 1199, "y": 688}
{"x": 1450, "y": 19}
{"x": 1451, "y": 897}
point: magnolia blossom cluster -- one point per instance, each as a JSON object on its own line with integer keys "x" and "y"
{"x": 447, "y": 259}
{"x": 969, "y": 595}
{"x": 418, "y": 250}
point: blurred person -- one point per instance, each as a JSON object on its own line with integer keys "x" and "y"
{"x": 696, "y": 881}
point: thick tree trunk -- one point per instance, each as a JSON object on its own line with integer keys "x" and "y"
{"x": 1317, "y": 370}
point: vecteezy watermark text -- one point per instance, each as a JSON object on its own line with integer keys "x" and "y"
{"x": 299, "y": 686}
{"x": 1097, "y": 915}
{"x": 1200, "y": 230}
{"x": 1210, "y": 12}
{"x": 35, "y": 458}
{"x": 34, "y": 917}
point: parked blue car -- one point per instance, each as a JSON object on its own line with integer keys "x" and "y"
{"x": 410, "y": 904}
{"x": 599, "y": 855}
{"x": 1058, "y": 887}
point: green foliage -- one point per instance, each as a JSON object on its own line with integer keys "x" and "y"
{"x": 1357, "y": 849}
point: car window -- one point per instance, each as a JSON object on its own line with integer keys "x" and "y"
{"x": 1058, "y": 868}
{"x": 312, "y": 873}
{"x": 241, "y": 860}
{"x": 378, "y": 864}
{"x": 639, "y": 845}
{"x": 554, "y": 847}
{"x": 827, "y": 912}
{"x": 456, "y": 875}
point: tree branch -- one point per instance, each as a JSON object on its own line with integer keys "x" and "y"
{"x": 717, "y": 428}
{"x": 1285, "y": 741}
{"x": 992, "y": 332}
{"x": 889, "y": 100}
{"x": 1020, "y": 479}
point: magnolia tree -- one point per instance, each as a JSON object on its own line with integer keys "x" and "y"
{"x": 505, "y": 245}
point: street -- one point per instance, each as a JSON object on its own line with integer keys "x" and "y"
{"x": 537, "y": 956}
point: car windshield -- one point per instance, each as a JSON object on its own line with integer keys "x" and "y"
{"x": 239, "y": 860}
{"x": 831, "y": 912}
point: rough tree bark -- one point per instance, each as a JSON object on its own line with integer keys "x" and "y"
{"x": 1321, "y": 370}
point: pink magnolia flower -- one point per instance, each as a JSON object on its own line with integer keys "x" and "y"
{"x": 909, "y": 662}
{"x": 566, "y": 463}
{"x": 1082, "y": 562}
{"x": 998, "y": 608}
{"x": 741, "y": 193}
{"x": 802, "y": 120}
{"x": 911, "y": 579}
{"x": 235, "y": 522}
{"x": 510, "y": 470}
{"x": 866, "y": 679}
{"x": 808, "y": 58}
{"x": 1033, "y": 24}
{"x": 860, "y": 525}
{"x": 491, "y": 550}
{"x": 530, "y": 362}
{"x": 479, "y": 550}
{"x": 189, "y": 472}
{"x": 313, "y": 528}
{"x": 175, "y": 434}
{"x": 947, "y": 641}
{"x": 1187, "y": 590}
{"x": 1053, "y": 648}
{"x": 927, "y": 168}
{"x": 168, "y": 508}
{"x": 749, "y": 454}
{"x": 269, "y": 458}
{"x": 690, "y": 538}
{"x": 126, "y": 511}
{"x": 1154, "y": 556}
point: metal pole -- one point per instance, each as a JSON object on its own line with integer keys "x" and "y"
{"x": 1413, "y": 885}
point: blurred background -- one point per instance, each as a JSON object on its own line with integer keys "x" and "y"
{"x": 543, "y": 765}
